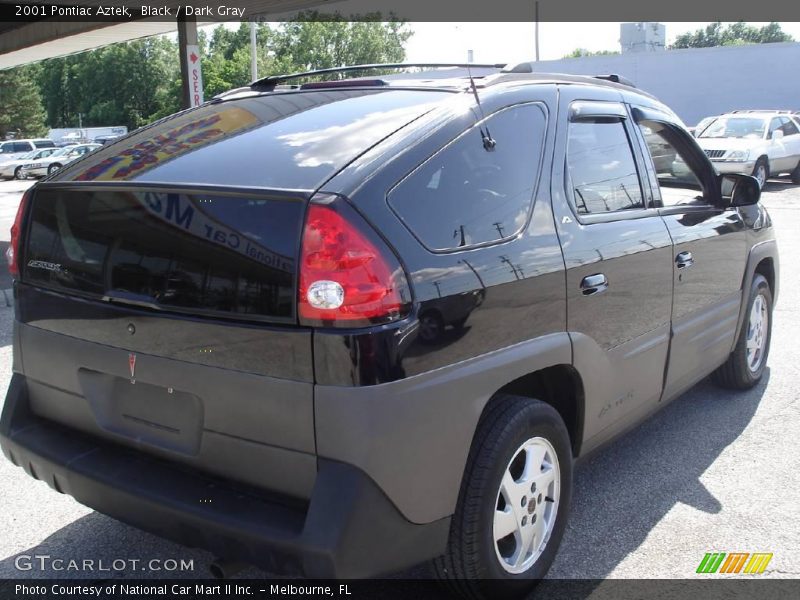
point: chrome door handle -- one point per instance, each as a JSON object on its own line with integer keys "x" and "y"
{"x": 684, "y": 260}
{"x": 594, "y": 284}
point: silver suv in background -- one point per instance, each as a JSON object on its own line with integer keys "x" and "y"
{"x": 763, "y": 143}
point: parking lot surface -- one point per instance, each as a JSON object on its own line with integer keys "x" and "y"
{"x": 715, "y": 471}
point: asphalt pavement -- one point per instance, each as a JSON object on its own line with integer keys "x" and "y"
{"x": 714, "y": 471}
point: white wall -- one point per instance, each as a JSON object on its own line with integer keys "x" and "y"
{"x": 700, "y": 82}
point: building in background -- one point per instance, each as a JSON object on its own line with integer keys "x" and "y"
{"x": 696, "y": 82}
{"x": 642, "y": 37}
{"x": 86, "y": 134}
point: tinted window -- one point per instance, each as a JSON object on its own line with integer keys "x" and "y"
{"x": 601, "y": 167}
{"x": 677, "y": 181}
{"x": 44, "y": 144}
{"x": 187, "y": 252}
{"x": 465, "y": 195}
{"x": 22, "y": 147}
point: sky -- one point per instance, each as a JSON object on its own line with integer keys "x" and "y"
{"x": 514, "y": 42}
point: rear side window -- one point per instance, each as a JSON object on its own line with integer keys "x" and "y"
{"x": 44, "y": 144}
{"x": 22, "y": 147}
{"x": 601, "y": 167}
{"x": 465, "y": 195}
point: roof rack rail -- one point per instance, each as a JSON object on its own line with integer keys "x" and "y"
{"x": 613, "y": 77}
{"x": 762, "y": 110}
{"x": 271, "y": 81}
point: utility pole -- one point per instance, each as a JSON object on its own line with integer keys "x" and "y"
{"x": 536, "y": 28}
{"x": 499, "y": 226}
{"x": 506, "y": 260}
{"x": 253, "y": 52}
{"x": 187, "y": 36}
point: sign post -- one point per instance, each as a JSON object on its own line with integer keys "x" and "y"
{"x": 195, "y": 75}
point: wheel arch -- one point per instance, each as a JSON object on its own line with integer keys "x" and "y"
{"x": 560, "y": 386}
{"x": 762, "y": 260}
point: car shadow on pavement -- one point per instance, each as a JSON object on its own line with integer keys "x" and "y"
{"x": 620, "y": 495}
{"x": 625, "y": 490}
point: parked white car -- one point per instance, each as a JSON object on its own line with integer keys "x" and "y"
{"x": 59, "y": 158}
{"x": 760, "y": 143}
{"x": 13, "y": 168}
{"x": 13, "y": 149}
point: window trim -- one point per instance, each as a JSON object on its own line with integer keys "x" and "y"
{"x": 644, "y": 187}
{"x": 473, "y": 127}
{"x": 697, "y": 158}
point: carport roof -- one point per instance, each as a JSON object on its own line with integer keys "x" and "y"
{"x": 23, "y": 43}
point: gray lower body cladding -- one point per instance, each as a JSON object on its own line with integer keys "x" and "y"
{"x": 347, "y": 529}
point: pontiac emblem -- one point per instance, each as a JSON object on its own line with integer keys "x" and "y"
{"x": 132, "y": 365}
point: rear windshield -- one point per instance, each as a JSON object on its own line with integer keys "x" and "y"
{"x": 278, "y": 141}
{"x": 179, "y": 251}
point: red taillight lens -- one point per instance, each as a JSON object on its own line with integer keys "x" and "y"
{"x": 12, "y": 253}
{"x": 348, "y": 276}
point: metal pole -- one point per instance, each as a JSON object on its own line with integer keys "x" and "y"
{"x": 536, "y": 33}
{"x": 253, "y": 52}
{"x": 187, "y": 36}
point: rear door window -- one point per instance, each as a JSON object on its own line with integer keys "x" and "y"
{"x": 601, "y": 167}
{"x": 186, "y": 252}
{"x": 466, "y": 195}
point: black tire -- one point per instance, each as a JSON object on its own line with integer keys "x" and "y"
{"x": 736, "y": 374}
{"x": 18, "y": 173}
{"x": 761, "y": 162}
{"x": 471, "y": 565}
{"x": 796, "y": 175}
{"x": 53, "y": 168}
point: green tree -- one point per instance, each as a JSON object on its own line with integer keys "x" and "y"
{"x": 581, "y": 52}
{"x": 733, "y": 34}
{"x": 123, "y": 84}
{"x": 21, "y": 111}
{"x": 318, "y": 41}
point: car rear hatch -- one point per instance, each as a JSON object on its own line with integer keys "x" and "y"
{"x": 164, "y": 320}
{"x": 158, "y": 281}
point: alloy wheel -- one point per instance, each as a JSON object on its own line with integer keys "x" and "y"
{"x": 527, "y": 505}
{"x": 757, "y": 330}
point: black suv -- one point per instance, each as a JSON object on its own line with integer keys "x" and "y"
{"x": 219, "y": 318}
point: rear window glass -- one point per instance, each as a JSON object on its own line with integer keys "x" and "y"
{"x": 196, "y": 253}
{"x": 276, "y": 141}
{"x": 465, "y": 195}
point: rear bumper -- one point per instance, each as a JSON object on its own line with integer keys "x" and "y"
{"x": 348, "y": 529}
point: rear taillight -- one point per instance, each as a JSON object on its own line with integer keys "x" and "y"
{"x": 348, "y": 276}
{"x": 12, "y": 253}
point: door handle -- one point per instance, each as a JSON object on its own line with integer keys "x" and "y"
{"x": 684, "y": 260}
{"x": 594, "y": 284}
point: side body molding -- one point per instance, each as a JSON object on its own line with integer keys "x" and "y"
{"x": 425, "y": 423}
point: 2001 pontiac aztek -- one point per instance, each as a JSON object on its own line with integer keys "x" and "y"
{"x": 343, "y": 327}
